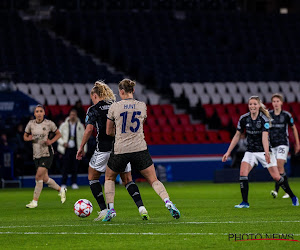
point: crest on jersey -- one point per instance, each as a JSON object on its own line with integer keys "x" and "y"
{"x": 258, "y": 124}
{"x": 281, "y": 118}
{"x": 267, "y": 125}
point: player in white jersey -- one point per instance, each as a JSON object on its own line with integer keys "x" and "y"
{"x": 125, "y": 120}
{"x": 103, "y": 97}
{"x": 37, "y": 131}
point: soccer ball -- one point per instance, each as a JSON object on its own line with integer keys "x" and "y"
{"x": 83, "y": 208}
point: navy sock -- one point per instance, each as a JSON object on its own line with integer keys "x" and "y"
{"x": 244, "y": 188}
{"x": 283, "y": 183}
{"x": 96, "y": 189}
{"x": 134, "y": 192}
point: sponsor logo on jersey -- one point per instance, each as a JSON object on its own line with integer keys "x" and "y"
{"x": 258, "y": 124}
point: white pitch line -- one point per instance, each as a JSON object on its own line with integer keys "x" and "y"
{"x": 152, "y": 223}
{"x": 100, "y": 233}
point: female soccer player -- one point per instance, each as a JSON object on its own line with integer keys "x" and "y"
{"x": 279, "y": 137}
{"x": 257, "y": 124}
{"x": 37, "y": 131}
{"x": 125, "y": 121}
{"x": 103, "y": 97}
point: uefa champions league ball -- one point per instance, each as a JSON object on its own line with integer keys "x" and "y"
{"x": 83, "y": 208}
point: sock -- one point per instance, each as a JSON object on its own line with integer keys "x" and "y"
{"x": 277, "y": 187}
{"x": 167, "y": 200}
{"x": 283, "y": 183}
{"x": 160, "y": 190}
{"x": 244, "y": 188}
{"x": 134, "y": 192}
{"x": 96, "y": 189}
{"x": 110, "y": 205}
{"x": 109, "y": 187}
{"x": 38, "y": 189}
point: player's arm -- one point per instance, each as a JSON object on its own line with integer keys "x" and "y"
{"x": 54, "y": 139}
{"x": 296, "y": 135}
{"x": 265, "y": 142}
{"x": 27, "y": 137}
{"x": 87, "y": 134}
{"x": 110, "y": 127}
{"x": 233, "y": 143}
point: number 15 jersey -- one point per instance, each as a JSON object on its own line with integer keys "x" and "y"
{"x": 128, "y": 116}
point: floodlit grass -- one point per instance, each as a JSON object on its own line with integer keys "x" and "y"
{"x": 207, "y": 218}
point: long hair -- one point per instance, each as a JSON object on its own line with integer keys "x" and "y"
{"x": 127, "y": 85}
{"x": 262, "y": 107}
{"x": 103, "y": 91}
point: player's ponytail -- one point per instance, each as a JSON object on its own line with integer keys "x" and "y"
{"x": 127, "y": 85}
{"x": 262, "y": 107}
{"x": 103, "y": 91}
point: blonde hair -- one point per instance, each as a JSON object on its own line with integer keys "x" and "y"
{"x": 280, "y": 96}
{"x": 262, "y": 107}
{"x": 127, "y": 85}
{"x": 103, "y": 91}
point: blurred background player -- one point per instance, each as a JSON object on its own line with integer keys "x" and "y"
{"x": 38, "y": 131}
{"x": 125, "y": 120}
{"x": 72, "y": 131}
{"x": 256, "y": 123}
{"x": 102, "y": 97}
{"x": 279, "y": 140}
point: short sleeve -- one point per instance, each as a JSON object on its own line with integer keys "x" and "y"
{"x": 28, "y": 128}
{"x": 90, "y": 118}
{"x": 144, "y": 114}
{"x": 290, "y": 119}
{"x": 53, "y": 127}
{"x": 241, "y": 125}
{"x": 111, "y": 112}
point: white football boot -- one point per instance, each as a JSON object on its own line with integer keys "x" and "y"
{"x": 101, "y": 215}
{"x": 32, "y": 204}
{"x": 63, "y": 194}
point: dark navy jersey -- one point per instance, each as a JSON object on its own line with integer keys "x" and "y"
{"x": 96, "y": 115}
{"x": 279, "y": 129}
{"x": 254, "y": 129}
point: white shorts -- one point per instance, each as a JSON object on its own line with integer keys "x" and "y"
{"x": 254, "y": 158}
{"x": 99, "y": 162}
{"x": 281, "y": 152}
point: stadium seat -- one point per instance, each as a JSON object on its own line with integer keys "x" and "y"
{"x": 156, "y": 110}
{"x": 46, "y": 88}
{"x": 184, "y": 119}
{"x": 62, "y": 100}
{"x": 209, "y": 110}
{"x": 212, "y": 136}
{"x": 225, "y": 136}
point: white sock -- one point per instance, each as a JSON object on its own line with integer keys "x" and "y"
{"x": 141, "y": 208}
{"x": 166, "y": 200}
{"x": 110, "y": 205}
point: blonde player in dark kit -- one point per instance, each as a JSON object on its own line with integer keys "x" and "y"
{"x": 256, "y": 123}
{"x": 37, "y": 131}
{"x": 103, "y": 97}
{"x": 125, "y": 120}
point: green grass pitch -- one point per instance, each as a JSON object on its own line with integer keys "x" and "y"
{"x": 208, "y": 217}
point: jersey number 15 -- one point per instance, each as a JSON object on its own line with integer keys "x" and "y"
{"x": 133, "y": 120}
